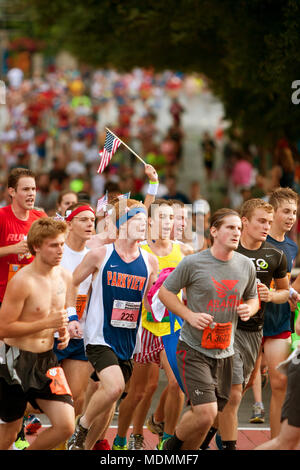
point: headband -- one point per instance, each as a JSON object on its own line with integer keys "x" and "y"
{"x": 131, "y": 213}
{"x": 77, "y": 211}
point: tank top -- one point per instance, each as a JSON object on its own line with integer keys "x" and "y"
{"x": 169, "y": 261}
{"x": 114, "y": 309}
{"x": 70, "y": 260}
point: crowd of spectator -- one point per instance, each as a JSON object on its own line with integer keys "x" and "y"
{"x": 55, "y": 125}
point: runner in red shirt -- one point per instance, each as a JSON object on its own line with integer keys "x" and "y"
{"x": 15, "y": 222}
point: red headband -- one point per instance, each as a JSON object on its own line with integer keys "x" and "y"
{"x": 77, "y": 211}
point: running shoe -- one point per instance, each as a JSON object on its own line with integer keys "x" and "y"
{"x": 103, "y": 444}
{"x": 32, "y": 425}
{"x": 117, "y": 447}
{"x": 155, "y": 428}
{"x": 258, "y": 414}
{"x": 161, "y": 444}
{"x": 77, "y": 440}
{"x": 20, "y": 444}
{"x": 136, "y": 442}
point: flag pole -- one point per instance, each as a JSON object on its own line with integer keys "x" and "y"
{"x": 126, "y": 146}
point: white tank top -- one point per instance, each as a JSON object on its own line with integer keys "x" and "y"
{"x": 70, "y": 260}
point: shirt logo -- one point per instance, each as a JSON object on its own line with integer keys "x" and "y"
{"x": 228, "y": 298}
{"x": 224, "y": 286}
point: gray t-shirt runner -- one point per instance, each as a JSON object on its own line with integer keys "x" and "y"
{"x": 215, "y": 287}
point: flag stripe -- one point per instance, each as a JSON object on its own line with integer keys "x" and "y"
{"x": 111, "y": 145}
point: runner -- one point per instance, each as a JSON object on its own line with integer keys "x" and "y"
{"x": 66, "y": 199}
{"x": 278, "y": 318}
{"x": 122, "y": 274}
{"x": 152, "y": 355}
{"x": 270, "y": 263}
{"x": 80, "y": 220}
{"x": 29, "y": 370}
{"x": 216, "y": 281}
{"x": 15, "y": 222}
{"x": 289, "y": 434}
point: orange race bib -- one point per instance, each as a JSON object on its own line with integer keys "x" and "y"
{"x": 217, "y": 336}
{"x": 13, "y": 269}
{"x": 59, "y": 384}
{"x": 80, "y": 304}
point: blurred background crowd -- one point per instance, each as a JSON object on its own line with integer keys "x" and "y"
{"x": 54, "y": 123}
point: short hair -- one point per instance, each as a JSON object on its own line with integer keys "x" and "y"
{"x": 44, "y": 228}
{"x": 175, "y": 202}
{"x": 251, "y": 205}
{"x": 74, "y": 206}
{"x": 280, "y": 195}
{"x": 159, "y": 202}
{"x": 63, "y": 193}
{"x": 122, "y": 205}
{"x": 16, "y": 174}
{"x": 218, "y": 217}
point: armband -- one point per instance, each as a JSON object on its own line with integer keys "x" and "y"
{"x": 153, "y": 188}
{"x": 72, "y": 315}
{"x": 292, "y": 291}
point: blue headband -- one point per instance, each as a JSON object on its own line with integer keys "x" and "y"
{"x": 131, "y": 213}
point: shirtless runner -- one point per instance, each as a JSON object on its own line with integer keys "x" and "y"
{"x": 32, "y": 310}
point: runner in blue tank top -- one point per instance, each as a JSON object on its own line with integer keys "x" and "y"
{"x": 122, "y": 275}
{"x": 277, "y": 322}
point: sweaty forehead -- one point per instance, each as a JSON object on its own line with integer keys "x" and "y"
{"x": 26, "y": 182}
{"x": 232, "y": 220}
{"x": 262, "y": 213}
{"x": 162, "y": 209}
{"x": 85, "y": 214}
{"x": 291, "y": 205}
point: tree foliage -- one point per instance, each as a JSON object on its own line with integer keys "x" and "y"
{"x": 249, "y": 49}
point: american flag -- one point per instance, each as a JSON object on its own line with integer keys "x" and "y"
{"x": 124, "y": 196}
{"x": 111, "y": 145}
{"x": 102, "y": 203}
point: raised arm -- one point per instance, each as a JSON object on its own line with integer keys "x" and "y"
{"x": 153, "y": 185}
{"x": 89, "y": 265}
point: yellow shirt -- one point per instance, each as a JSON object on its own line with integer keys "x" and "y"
{"x": 169, "y": 261}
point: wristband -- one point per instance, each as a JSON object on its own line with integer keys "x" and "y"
{"x": 72, "y": 315}
{"x": 153, "y": 188}
{"x": 292, "y": 291}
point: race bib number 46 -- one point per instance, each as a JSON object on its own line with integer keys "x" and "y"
{"x": 125, "y": 314}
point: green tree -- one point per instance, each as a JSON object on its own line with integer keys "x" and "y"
{"x": 249, "y": 49}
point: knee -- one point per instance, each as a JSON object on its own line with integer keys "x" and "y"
{"x": 151, "y": 389}
{"x": 116, "y": 392}
{"x": 204, "y": 418}
{"x": 278, "y": 384}
{"x": 235, "y": 398}
{"x": 174, "y": 389}
{"x": 66, "y": 429}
